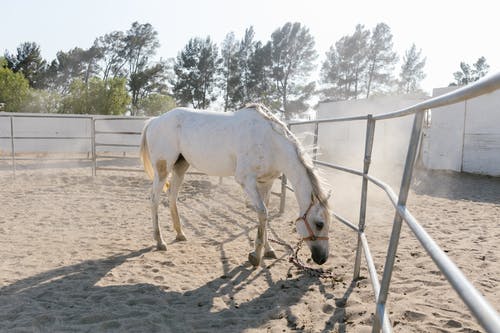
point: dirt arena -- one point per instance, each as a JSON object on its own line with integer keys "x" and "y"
{"x": 77, "y": 256}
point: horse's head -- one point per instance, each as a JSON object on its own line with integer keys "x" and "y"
{"x": 313, "y": 228}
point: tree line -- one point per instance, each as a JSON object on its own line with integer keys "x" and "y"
{"x": 119, "y": 73}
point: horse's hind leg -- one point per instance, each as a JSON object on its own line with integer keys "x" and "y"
{"x": 179, "y": 170}
{"x": 159, "y": 180}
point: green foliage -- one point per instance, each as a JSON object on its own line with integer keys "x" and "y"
{"x": 42, "y": 101}
{"x": 141, "y": 43}
{"x": 292, "y": 56}
{"x": 14, "y": 89}
{"x": 381, "y": 59}
{"x": 359, "y": 63}
{"x": 246, "y": 72}
{"x": 156, "y": 104}
{"x": 112, "y": 49}
{"x": 411, "y": 70}
{"x": 76, "y": 64}
{"x": 345, "y": 65}
{"x": 468, "y": 74}
{"x": 28, "y": 61}
{"x": 97, "y": 97}
{"x": 258, "y": 83}
{"x": 196, "y": 68}
{"x": 231, "y": 74}
{"x": 149, "y": 80}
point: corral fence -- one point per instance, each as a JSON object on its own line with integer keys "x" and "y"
{"x": 101, "y": 143}
{"x": 485, "y": 314}
{"x": 107, "y": 143}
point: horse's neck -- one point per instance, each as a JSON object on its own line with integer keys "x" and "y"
{"x": 302, "y": 186}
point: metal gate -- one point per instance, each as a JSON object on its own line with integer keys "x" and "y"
{"x": 486, "y": 315}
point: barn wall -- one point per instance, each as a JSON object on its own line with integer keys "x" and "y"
{"x": 465, "y": 136}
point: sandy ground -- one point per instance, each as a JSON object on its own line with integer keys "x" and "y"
{"x": 77, "y": 256}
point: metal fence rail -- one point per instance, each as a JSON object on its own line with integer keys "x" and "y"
{"x": 90, "y": 135}
{"x": 485, "y": 314}
{"x": 100, "y": 148}
{"x": 124, "y": 133}
{"x": 13, "y": 137}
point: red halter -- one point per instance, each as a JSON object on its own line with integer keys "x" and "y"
{"x": 312, "y": 237}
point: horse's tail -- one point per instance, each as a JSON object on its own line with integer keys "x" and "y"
{"x": 144, "y": 153}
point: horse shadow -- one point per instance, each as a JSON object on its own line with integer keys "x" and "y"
{"x": 69, "y": 299}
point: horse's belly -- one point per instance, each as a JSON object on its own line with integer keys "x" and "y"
{"x": 211, "y": 163}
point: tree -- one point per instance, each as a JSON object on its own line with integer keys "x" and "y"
{"x": 28, "y": 61}
{"x": 344, "y": 69}
{"x": 195, "y": 68}
{"x": 231, "y": 74}
{"x": 156, "y": 104}
{"x": 251, "y": 80}
{"x": 112, "y": 48}
{"x": 411, "y": 70}
{"x": 14, "y": 88}
{"x": 96, "y": 97}
{"x": 150, "y": 80}
{"x": 470, "y": 74}
{"x": 293, "y": 56}
{"x": 75, "y": 64}
{"x": 258, "y": 82}
{"x": 140, "y": 45}
{"x": 381, "y": 58}
{"x": 246, "y": 71}
{"x": 42, "y": 101}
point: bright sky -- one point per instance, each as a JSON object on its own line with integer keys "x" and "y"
{"x": 448, "y": 32}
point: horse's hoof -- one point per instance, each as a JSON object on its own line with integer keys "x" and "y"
{"x": 180, "y": 238}
{"x": 270, "y": 254}
{"x": 161, "y": 247}
{"x": 252, "y": 257}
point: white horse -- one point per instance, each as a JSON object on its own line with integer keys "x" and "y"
{"x": 250, "y": 144}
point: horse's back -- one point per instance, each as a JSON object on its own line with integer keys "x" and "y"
{"x": 215, "y": 142}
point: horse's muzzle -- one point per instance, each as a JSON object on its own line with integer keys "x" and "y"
{"x": 319, "y": 255}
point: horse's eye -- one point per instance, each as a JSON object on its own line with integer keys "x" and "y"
{"x": 319, "y": 224}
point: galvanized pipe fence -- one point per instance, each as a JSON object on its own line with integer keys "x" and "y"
{"x": 97, "y": 147}
{"x": 125, "y": 133}
{"x": 101, "y": 139}
{"x": 485, "y": 314}
{"x": 14, "y": 138}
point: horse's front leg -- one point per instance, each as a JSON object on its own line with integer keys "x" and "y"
{"x": 264, "y": 189}
{"x": 249, "y": 184}
{"x": 255, "y": 257}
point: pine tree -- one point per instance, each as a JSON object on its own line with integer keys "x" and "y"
{"x": 381, "y": 59}
{"x": 196, "y": 68}
{"x": 468, "y": 74}
{"x": 293, "y": 56}
{"x": 344, "y": 69}
{"x": 28, "y": 61}
{"x": 411, "y": 70}
{"x": 231, "y": 74}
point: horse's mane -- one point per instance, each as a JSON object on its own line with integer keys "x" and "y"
{"x": 304, "y": 159}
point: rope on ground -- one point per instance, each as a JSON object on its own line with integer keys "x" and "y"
{"x": 294, "y": 259}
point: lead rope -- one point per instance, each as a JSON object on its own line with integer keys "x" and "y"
{"x": 295, "y": 260}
